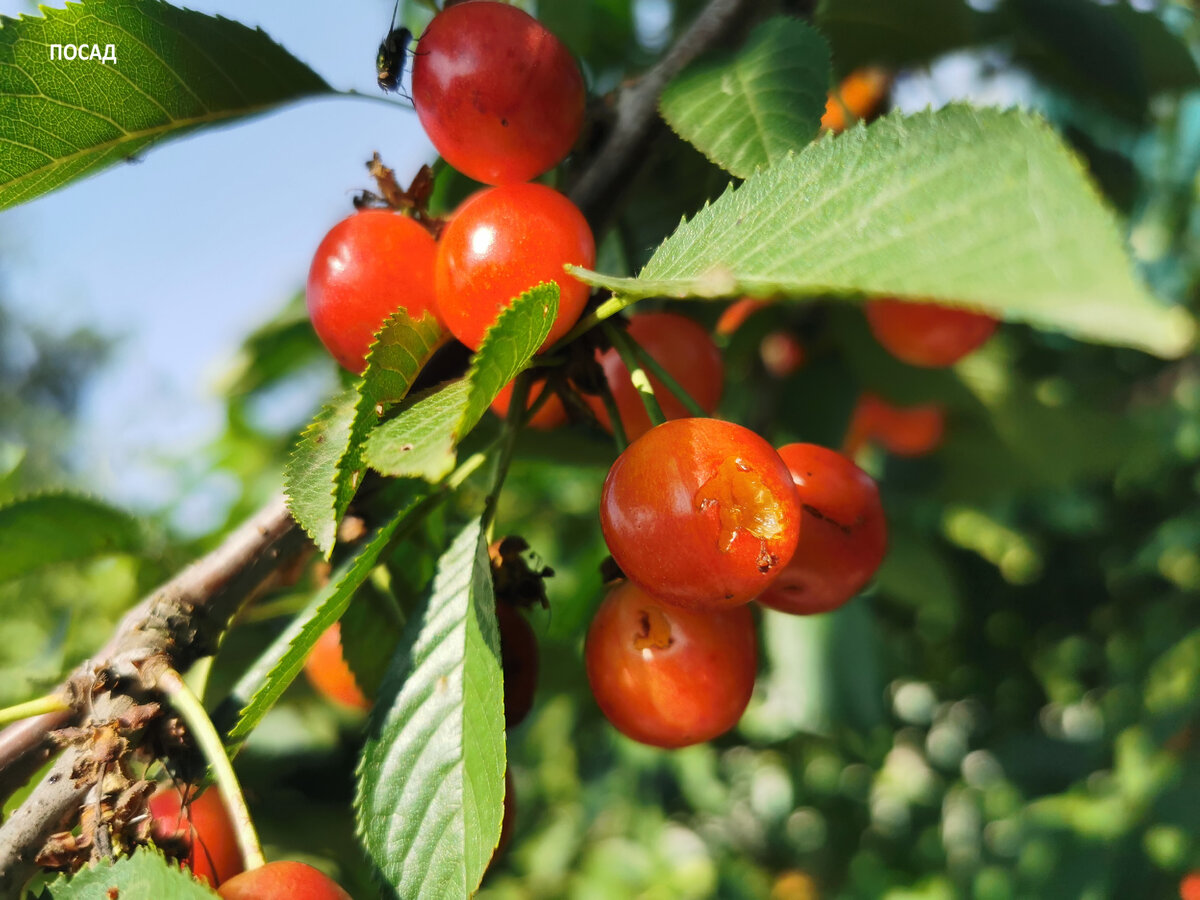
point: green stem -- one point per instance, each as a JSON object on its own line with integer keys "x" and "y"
{"x": 605, "y": 310}
{"x": 192, "y": 711}
{"x": 667, "y": 379}
{"x": 641, "y": 381}
{"x": 541, "y": 401}
{"x": 508, "y": 442}
{"x": 614, "y": 418}
{"x": 51, "y": 703}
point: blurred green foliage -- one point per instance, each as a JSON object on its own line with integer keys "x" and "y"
{"x": 1011, "y": 712}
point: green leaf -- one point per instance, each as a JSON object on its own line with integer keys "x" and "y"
{"x": 175, "y": 71}
{"x": 431, "y": 777}
{"x": 326, "y": 467}
{"x": 976, "y": 208}
{"x": 507, "y": 348}
{"x": 57, "y": 528}
{"x": 420, "y": 441}
{"x": 264, "y": 683}
{"x": 887, "y": 33}
{"x": 747, "y": 110}
{"x": 146, "y": 875}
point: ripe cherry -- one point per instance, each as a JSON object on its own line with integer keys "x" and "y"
{"x": 1189, "y": 887}
{"x": 519, "y": 662}
{"x": 202, "y": 826}
{"x": 904, "y": 431}
{"x": 923, "y": 334}
{"x": 500, "y": 97}
{"x": 781, "y": 354}
{"x": 680, "y": 346}
{"x": 328, "y": 672}
{"x": 551, "y": 415}
{"x": 283, "y": 881}
{"x": 843, "y": 536}
{"x": 668, "y": 676}
{"x": 859, "y": 94}
{"x": 368, "y": 266}
{"x": 503, "y": 241}
{"x": 701, "y": 513}
{"x": 736, "y": 313}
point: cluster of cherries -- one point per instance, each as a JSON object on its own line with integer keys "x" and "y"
{"x": 701, "y": 515}
{"x": 502, "y": 100}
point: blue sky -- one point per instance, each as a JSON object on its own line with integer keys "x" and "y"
{"x": 179, "y": 256}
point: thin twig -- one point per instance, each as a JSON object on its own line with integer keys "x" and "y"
{"x": 637, "y": 109}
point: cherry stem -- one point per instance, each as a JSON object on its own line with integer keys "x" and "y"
{"x": 50, "y": 703}
{"x": 614, "y": 418}
{"x": 192, "y": 711}
{"x": 536, "y": 406}
{"x": 508, "y": 439}
{"x": 667, "y": 379}
{"x": 641, "y": 381}
{"x": 605, "y": 310}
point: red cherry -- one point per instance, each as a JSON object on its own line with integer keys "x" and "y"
{"x": 501, "y": 242}
{"x": 519, "y": 661}
{"x": 923, "y": 334}
{"x": 843, "y": 536}
{"x": 203, "y": 825}
{"x": 668, "y": 676}
{"x": 781, "y": 354}
{"x": 737, "y": 313}
{"x": 859, "y": 94}
{"x": 500, "y": 97}
{"x": 283, "y": 881}
{"x": 551, "y": 415}
{"x": 700, "y": 512}
{"x": 328, "y": 672}
{"x": 680, "y": 346}
{"x": 904, "y": 431}
{"x": 1189, "y": 887}
{"x": 366, "y": 268}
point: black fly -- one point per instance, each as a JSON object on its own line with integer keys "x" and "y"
{"x": 389, "y": 63}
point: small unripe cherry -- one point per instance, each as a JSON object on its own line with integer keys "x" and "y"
{"x": 368, "y": 266}
{"x": 283, "y": 881}
{"x": 202, "y": 826}
{"x": 500, "y": 97}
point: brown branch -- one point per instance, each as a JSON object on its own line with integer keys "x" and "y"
{"x": 182, "y": 621}
{"x": 637, "y": 110}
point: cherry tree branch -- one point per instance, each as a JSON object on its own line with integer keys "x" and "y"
{"x": 637, "y": 109}
{"x": 181, "y": 621}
